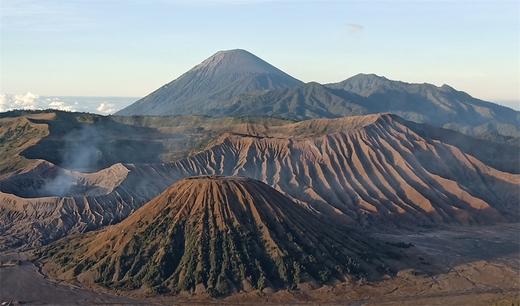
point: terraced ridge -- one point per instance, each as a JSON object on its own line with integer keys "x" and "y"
{"x": 369, "y": 170}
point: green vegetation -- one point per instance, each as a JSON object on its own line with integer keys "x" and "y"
{"x": 218, "y": 243}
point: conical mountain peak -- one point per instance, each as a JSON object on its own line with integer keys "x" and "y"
{"x": 236, "y": 61}
{"x": 220, "y": 235}
{"x": 217, "y": 79}
{"x": 236, "y": 58}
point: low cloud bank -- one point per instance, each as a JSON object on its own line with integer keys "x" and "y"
{"x": 60, "y": 105}
{"x": 106, "y": 108}
{"x": 25, "y": 101}
{"x": 99, "y": 105}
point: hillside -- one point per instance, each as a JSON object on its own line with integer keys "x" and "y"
{"x": 45, "y": 203}
{"x": 17, "y": 134}
{"x": 368, "y": 170}
{"x": 368, "y": 94}
{"x": 307, "y": 101}
{"x": 440, "y": 106}
{"x": 217, "y": 236}
{"x": 89, "y": 142}
{"x": 237, "y": 83}
{"x": 375, "y": 170}
{"x": 218, "y": 78}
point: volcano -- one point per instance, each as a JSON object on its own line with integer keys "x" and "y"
{"x": 220, "y": 77}
{"x": 220, "y": 235}
{"x": 375, "y": 170}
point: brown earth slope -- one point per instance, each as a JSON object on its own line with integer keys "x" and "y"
{"x": 365, "y": 170}
{"x": 17, "y": 134}
{"x": 90, "y": 142}
{"x": 220, "y": 235}
{"x": 87, "y": 202}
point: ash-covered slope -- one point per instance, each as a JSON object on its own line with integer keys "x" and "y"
{"x": 217, "y": 236}
{"x": 220, "y": 77}
{"x": 366, "y": 170}
{"x": 58, "y": 202}
{"x": 440, "y": 106}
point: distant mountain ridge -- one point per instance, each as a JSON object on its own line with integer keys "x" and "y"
{"x": 308, "y": 101}
{"x": 441, "y": 106}
{"x": 238, "y": 83}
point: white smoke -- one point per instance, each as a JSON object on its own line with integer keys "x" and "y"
{"x": 81, "y": 152}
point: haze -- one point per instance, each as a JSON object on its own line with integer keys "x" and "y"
{"x": 130, "y": 48}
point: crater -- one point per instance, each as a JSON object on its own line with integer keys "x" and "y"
{"x": 49, "y": 180}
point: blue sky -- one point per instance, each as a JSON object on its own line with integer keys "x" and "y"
{"x": 131, "y": 47}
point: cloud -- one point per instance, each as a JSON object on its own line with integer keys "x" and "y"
{"x": 106, "y": 108}
{"x": 355, "y": 28}
{"x": 60, "y": 105}
{"x": 100, "y": 105}
{"x": 23, "y": 101}
{"x": 29, "y": 100}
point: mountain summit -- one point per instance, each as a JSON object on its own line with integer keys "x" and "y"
{"x": 220, "y": 77}
{"x": 236, "y": 61}
{"x": 238, "y": 83}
